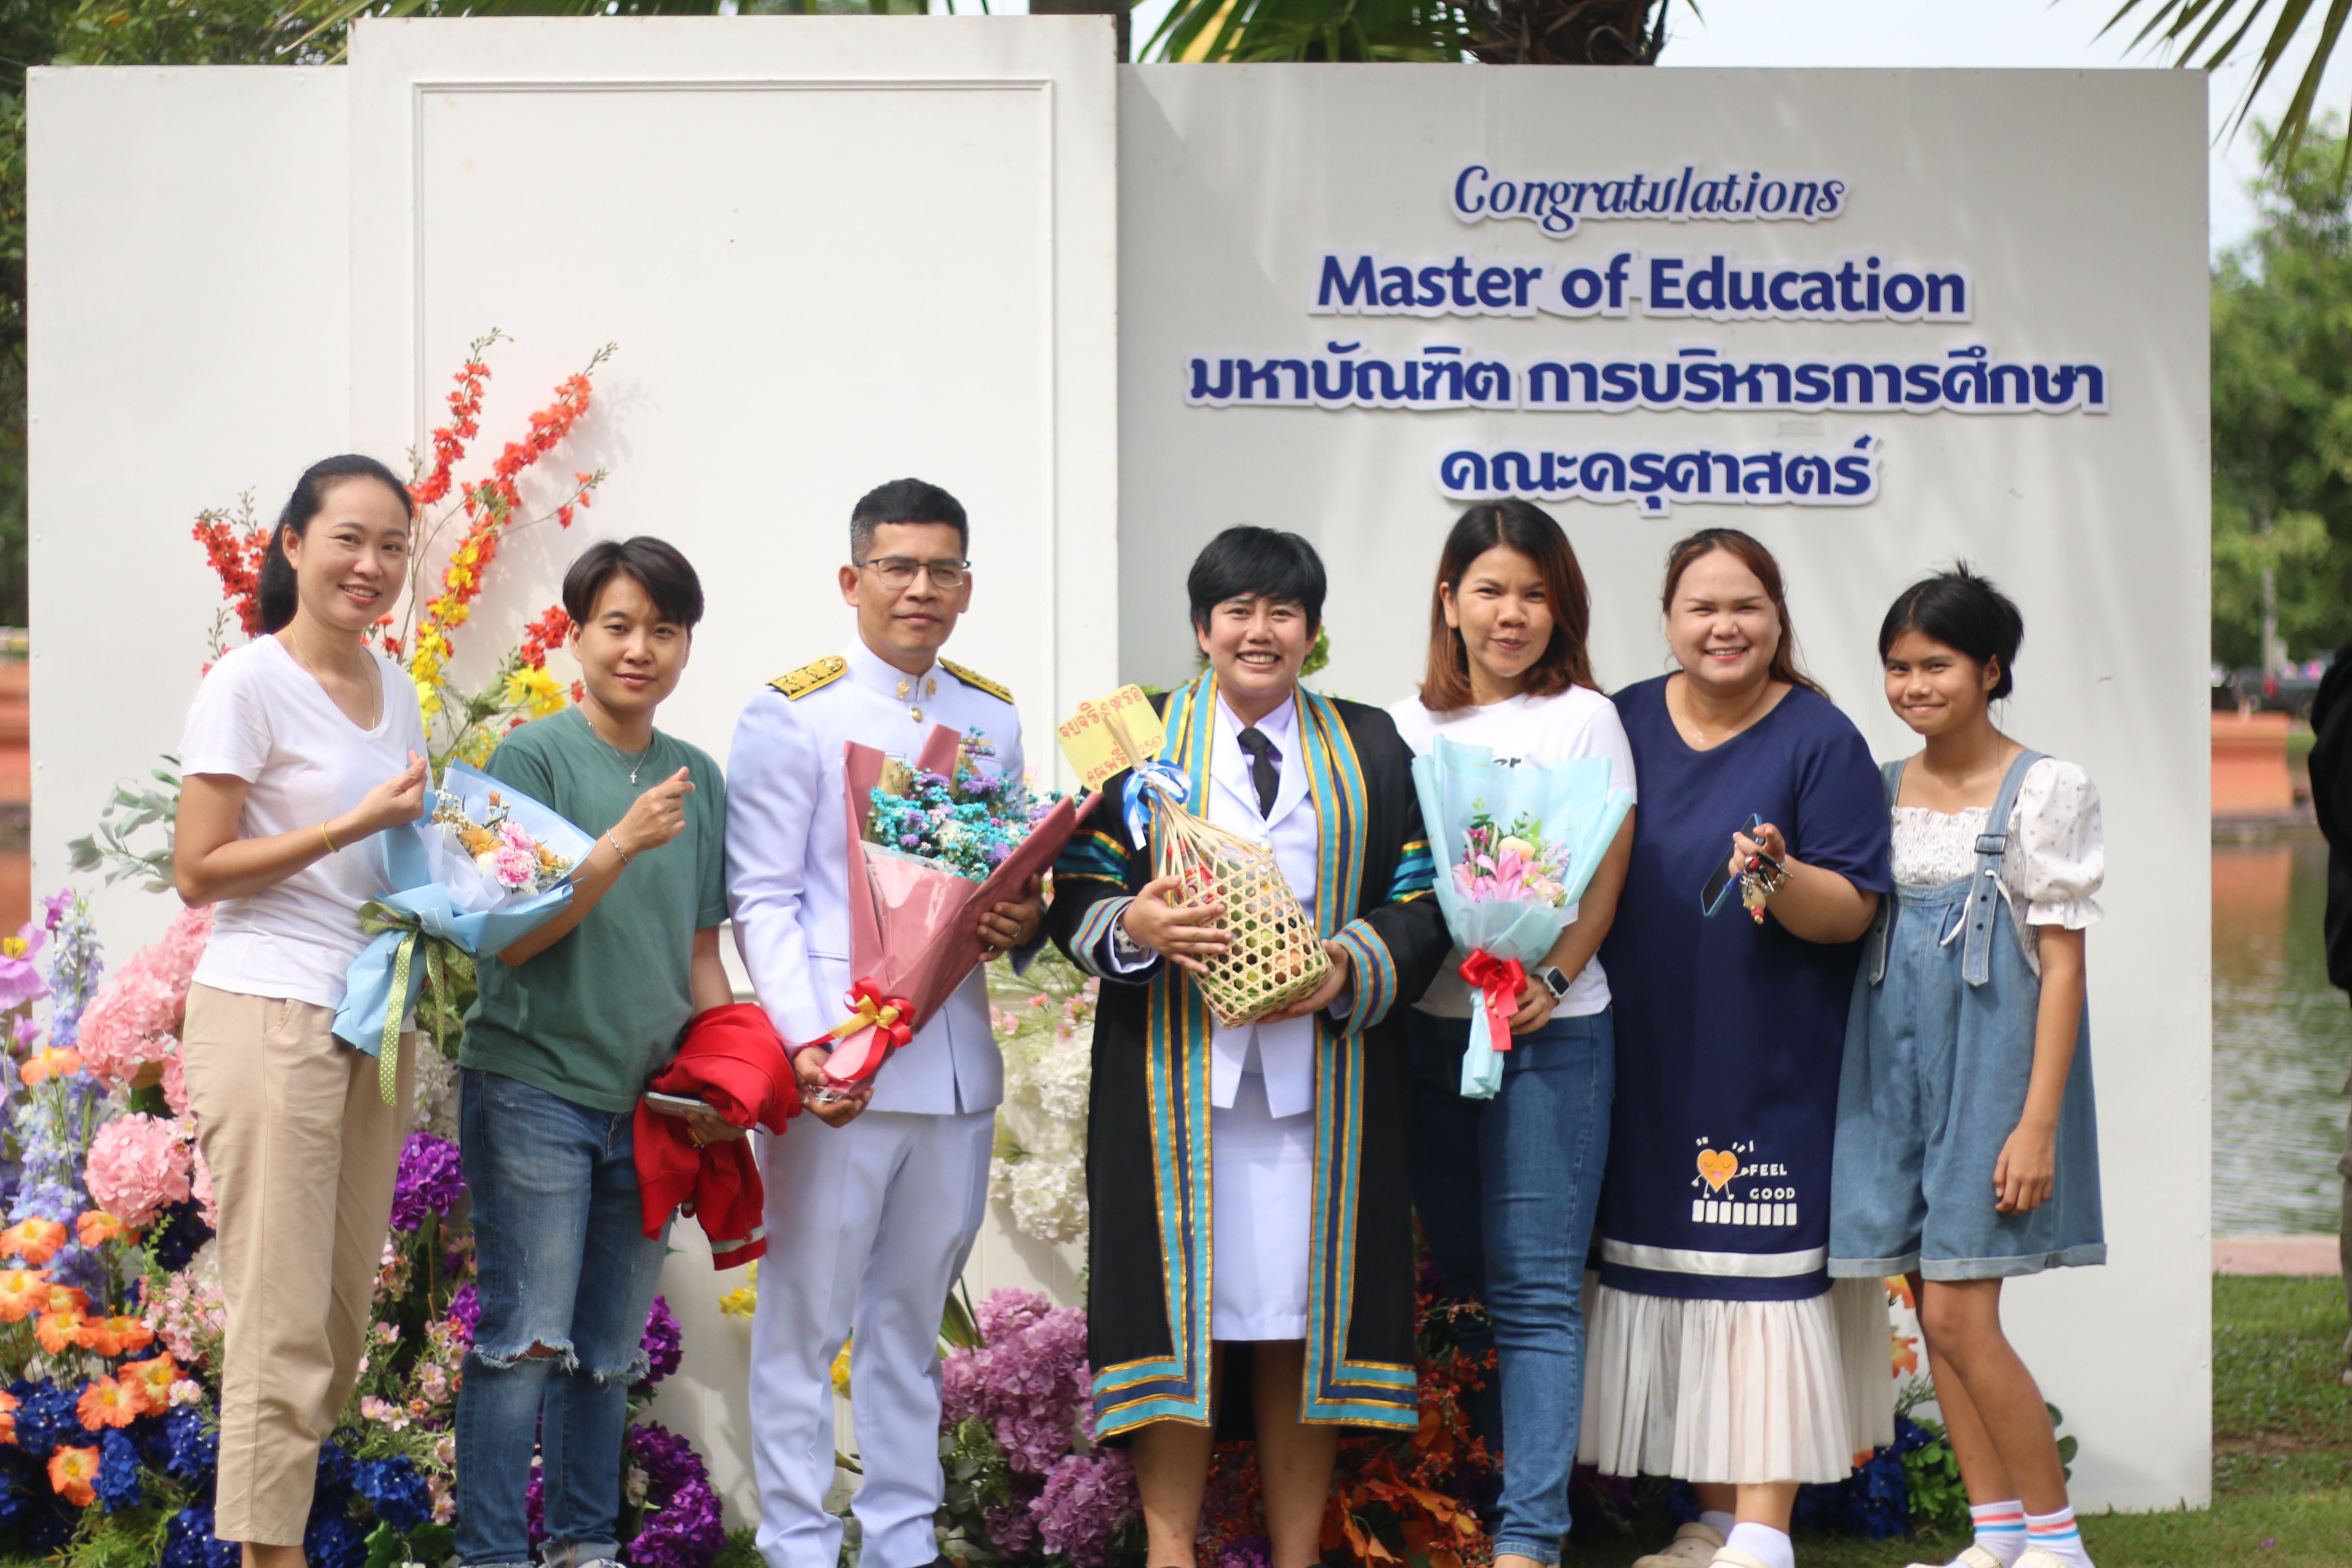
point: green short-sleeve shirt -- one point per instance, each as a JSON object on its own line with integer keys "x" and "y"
{"x": 596, "y": 1016}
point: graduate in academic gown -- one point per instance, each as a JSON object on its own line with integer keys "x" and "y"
{"x": 1249, "y": 1184}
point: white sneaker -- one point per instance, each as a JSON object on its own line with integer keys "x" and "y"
{"x": 1971, "y": 1556}
{"x": 1732, "y": 1557}
{"x": 1693, "y": 1546}
{"x": 2035, "y": 1557}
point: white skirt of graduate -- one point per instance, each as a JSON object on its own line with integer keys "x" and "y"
{"x": 1262, "y": 1176}
{"x": 1736, "y": 1392}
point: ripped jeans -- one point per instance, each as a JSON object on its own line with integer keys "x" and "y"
{"x": 561, "y": 1263}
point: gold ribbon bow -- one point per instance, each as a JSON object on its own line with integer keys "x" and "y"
{"x": 448, "y": 988}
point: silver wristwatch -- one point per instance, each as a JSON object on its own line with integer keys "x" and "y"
{"x": 1553, "y": 981}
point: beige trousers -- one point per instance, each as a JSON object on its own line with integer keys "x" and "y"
{"x": 303, "y": 1153}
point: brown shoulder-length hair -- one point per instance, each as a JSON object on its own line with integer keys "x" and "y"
{"x": 1530, "y": 531}
{"x": 1750, "y": 553}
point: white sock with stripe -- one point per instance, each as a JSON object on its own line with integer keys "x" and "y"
{"x": 2055, "y": 1533}
{"x": 2001, "y": 1530}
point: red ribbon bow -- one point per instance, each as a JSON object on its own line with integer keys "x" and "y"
{"x": 1498, "y": 982}
{"x": 880, "y": 1020}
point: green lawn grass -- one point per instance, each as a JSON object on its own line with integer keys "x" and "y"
{"x": 2282, "y": 1464}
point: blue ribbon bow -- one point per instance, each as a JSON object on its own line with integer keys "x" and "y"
{"x": 1169, "y": 780}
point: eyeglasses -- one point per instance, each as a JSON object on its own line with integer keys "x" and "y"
{"x": 898, "y": 572}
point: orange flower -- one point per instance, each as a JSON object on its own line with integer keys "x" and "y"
{"x": 108, "y": 1403}
{"x": 1898, "y": 1291}
{"x": 7, "y": 1417}
{"x": 47, "y": 1063}
{"x": 35, "y": 1240}
{"x": 154, "y": 1376}
{"x": 112, "y": 1336}
{"x": 23, "y": 1292}
{"x": 56, "y": 1331}
{"x": 66, "y": 1298}
{"x": 96, "y": 1228}
{"x": 132, "y": 1331}
{"x": 1907, "y": 1354}
{"x": 71, "y": 1473}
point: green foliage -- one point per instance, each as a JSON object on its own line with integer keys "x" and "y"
{"x": 1938, "y": 1501}
{"x": 2066, "y": 1446}
{"x": 2282, "y": 393}
{"x": 388, "y": 1548}
{"x": 2204, "y": 34}
{"x": 978, "y": 1480}
{"x": 1501, "y": 32}
{"x": 116, "y": 844}
{"x": 742, "y": 1550}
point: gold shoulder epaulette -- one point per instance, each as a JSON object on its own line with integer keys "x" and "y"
{"x": 975, "y": 679}
{"x": 809, "y": 677}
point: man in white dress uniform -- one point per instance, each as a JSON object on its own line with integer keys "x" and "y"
{"x": 870, "y": 1215}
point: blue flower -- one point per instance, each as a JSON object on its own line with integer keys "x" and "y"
{"x": 45, "y": 1413}
{"x": 396, "y": 1492}
{"x": 189, "y": 1542}
{"x": 193, "y": 1451}
{"x": 178, "y": 1234}
{"x": 333, "y": 1490}
{"x": 119, "y": 1484}
{"x": 333, "y": 1539}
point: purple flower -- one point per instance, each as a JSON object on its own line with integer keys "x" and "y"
{"x": 55, "y": 908}
{"x": 682, "y": 1527}
{"x": 664, "y": 1344}
{"x": 465, "y": 1308}
{"x": 1028, "y": 1378}
{"x": 1085, "y": 1497}
{"x": 1249, "y": 1551}
{"x": 431, "y": 1179}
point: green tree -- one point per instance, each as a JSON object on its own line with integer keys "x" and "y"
{"x": 2204, "y": 34}
{"x": 1498, "y": 32}
{"x": 2282, "y": 348}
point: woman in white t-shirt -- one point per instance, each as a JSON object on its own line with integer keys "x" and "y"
{"x": 1506, "y": 1188}
{"x": 300, "y": 746}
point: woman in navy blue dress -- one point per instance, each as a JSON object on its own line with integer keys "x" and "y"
{"x": 1718, "y": 1352}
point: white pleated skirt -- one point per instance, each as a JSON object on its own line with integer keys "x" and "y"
{"x": 1261, "y": 1170}
{"x": 1736, "y": 1392}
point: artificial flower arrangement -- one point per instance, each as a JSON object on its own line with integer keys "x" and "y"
{"x": 931, "y": 844}
{"x": 1510, "y": 893}
{"x": 111, "y": 1310}
{"x": 1038, "y": 1171}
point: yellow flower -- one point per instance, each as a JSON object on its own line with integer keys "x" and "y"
{"x": 536, "y": 688}
{"x": 739, "y": 1304}
{"x": 841, "y": 1371}
{"x": 475, "y": 749}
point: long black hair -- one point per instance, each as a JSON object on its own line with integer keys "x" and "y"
{"x": 275, "y": 593}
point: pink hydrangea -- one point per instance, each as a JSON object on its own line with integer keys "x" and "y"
{"x": 137, "y": 1014}
{"x": 138, "y": 1167}
{"x": 1028, "y": 1379}
{"x": 175, "y": 1082}
{"x": 200, "y": 1186}
{"x": 1078, "y": 1512}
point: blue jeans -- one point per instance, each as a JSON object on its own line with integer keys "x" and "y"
{"x": 1505, "y": 1189}
{"x": 563, "y": 1262}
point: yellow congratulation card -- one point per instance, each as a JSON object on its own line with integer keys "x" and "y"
{"x": 1097, "y": 740}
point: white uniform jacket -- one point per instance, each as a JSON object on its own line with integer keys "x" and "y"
{"x": 787, "y": 857}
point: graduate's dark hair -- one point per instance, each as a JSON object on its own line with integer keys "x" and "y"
{"x": 654, "y": 564}
{"x": 275, "y": 595}
{"x": 1964, "y": 613}
{"x": 904, "y": 501}
{"x": 1529, "y": 529}
{"x": 1750, "y": 552}
{"x": 1250, "y": 563}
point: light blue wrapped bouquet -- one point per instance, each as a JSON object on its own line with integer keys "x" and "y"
{"x": 1519, "y": 844}
{"x": 484, "y": 868}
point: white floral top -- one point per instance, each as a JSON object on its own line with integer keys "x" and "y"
{"x": 2057, "y": 857}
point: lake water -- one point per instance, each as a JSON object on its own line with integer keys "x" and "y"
{"x": 2282, "y": 1042}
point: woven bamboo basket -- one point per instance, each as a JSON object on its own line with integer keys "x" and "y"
{"x": 1275, "y": 957}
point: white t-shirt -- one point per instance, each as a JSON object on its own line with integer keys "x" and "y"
{"x": 1542, "y": 731}
{"x": 265, "y": 719}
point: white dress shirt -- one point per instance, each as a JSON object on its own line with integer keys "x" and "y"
{"x": 1283, "y": 1052}
{"x": 788, "y": 857}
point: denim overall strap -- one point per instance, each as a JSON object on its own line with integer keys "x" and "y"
{"x": 1890, "y": 774}
{"x": 1976, "y": 958}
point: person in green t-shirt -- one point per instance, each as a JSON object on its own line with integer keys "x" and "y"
{"x": 574, "y": 1021}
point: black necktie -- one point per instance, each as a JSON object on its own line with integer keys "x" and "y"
{"x": 1265, "y": 767}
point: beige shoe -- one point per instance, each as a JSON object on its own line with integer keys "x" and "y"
{"x": 1693, "y": 1546}
{"x": 1970, "y": 1556}
{"x": 1732, "y": 1557}
{"x": 2035, "y": 1557}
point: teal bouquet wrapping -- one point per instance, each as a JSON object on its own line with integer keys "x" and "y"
{"x": 484, "y": 869}
{"x": 1520, "y": 844}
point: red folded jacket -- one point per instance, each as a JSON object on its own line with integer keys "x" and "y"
{"x": 733, "y": 1060}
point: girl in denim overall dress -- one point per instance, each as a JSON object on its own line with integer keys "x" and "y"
{"x": 1967, "y": 1148}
